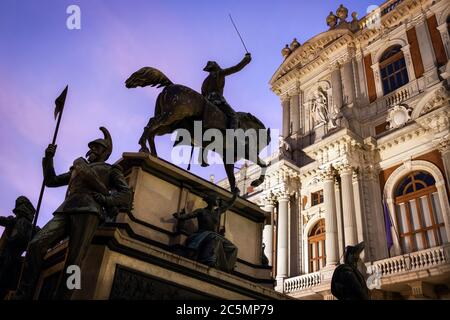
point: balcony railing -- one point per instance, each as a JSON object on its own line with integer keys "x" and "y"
{"x": 302, "y": 282}
{"x": 414, "y": 261}
{"x": 398, "y": 96}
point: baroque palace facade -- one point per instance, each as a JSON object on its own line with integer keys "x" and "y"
{"x": 364, "y": 154}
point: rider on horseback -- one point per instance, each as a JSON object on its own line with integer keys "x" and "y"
{"x": 212, "y": 90}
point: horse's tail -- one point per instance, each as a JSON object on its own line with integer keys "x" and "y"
{"x": 148, "y": 76}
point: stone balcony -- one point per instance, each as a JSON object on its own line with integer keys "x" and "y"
{"x": 399, "y": 274}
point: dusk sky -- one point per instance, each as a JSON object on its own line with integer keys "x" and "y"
{"x": 39, "y": 55}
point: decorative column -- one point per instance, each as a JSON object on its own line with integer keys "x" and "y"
{"x": 408, "y": 60}
{"x": 282, "y": 239}
{"x": 376, "y": 74}
{"x": 301, "y": 112}
{"x": 358, "y": 206}
{"x": 348, "y": 205}
{"x": 285, "y": 103}
{"x": 364, "y": 94}
{"x": 331, "y": 235}
{"x": 348, "y": 81}
{"x": 268, "y": 231}
{"x": 295, "y": 112}
{"x": 427, "y": 53}
{"x": 443, "y": 30}
{"x": 336, "y": 86}
{"x": 340, "y": 226}
{"x": 444, "y": 149}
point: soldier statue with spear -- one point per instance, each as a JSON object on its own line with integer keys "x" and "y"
{"x": 95, "y": 189}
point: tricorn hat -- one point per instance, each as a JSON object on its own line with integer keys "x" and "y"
{"x": 106, "y": 142}
{"x": 25, "y": 208}
{"x": 211, "y": 65}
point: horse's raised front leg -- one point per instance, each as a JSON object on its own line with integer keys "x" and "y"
{"x": 151, "y": 142}
{"x": 143, "y": 140}
{"x": 263, "y": 166}
{"x": 229, "y": 169}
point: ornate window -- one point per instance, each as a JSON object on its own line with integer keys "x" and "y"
{"x": 393, "y": 69}
{"x": 316, "y": 198}
{"x": 418, "y": 213}
{"x": 316, "y": 247}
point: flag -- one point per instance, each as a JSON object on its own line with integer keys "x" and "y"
{"x": 59, "y": 102}
{"x": 387, "y": 225}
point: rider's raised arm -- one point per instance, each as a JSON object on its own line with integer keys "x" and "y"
{"x": 245, "y": 61}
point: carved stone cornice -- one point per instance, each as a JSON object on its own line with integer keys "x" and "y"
{"x": 327, "y": 173}
{"x": 345, "y": 169}
{"x": 319, "y": 50}
{"x": 342, "y": 146}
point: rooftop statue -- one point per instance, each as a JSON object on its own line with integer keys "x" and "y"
{"x": 95, "y": 190}
{"x": 178, "y": 107}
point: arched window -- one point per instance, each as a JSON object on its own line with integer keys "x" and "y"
{"x": 316, "y": 245}
{"x": 393, "y": 69}
{"x": 418, "y": 213}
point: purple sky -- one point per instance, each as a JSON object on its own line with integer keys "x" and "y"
{"x": 39, "y": 56}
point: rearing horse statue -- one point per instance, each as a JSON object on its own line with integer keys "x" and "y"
{"x": 177, "y": 107}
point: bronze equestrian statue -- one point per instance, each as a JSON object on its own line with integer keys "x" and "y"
{"x": 177, "y": 107}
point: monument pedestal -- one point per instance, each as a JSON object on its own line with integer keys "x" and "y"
{"x": 142, "y": 254}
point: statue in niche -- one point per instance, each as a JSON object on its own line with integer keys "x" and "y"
{"x": 208, "y": 244}
{"x": 320, "y": 109}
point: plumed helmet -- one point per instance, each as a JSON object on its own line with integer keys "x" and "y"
{"x": 106, "y": 142}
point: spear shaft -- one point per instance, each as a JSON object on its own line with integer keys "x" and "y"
{"x": 58, "y": 111}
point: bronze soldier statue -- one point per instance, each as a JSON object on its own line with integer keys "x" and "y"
{"x": 348, "y": 283}
{"x": 13, "y": 243}
{"x": 96, "y": 189}
{"x": 212, "y": 90}
{"x": 209, "y": 246}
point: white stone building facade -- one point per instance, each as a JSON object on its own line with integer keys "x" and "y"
{"x": 365, "y": 126}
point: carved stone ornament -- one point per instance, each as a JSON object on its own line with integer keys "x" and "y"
{"x": 440, "y": 97}
{"x": 286, "y": 51}
{"x": 398, "y": 116}
{"x": 342, "y": 13}
{"x": 331, "y": 20}
{"x": 294, "y": 44}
